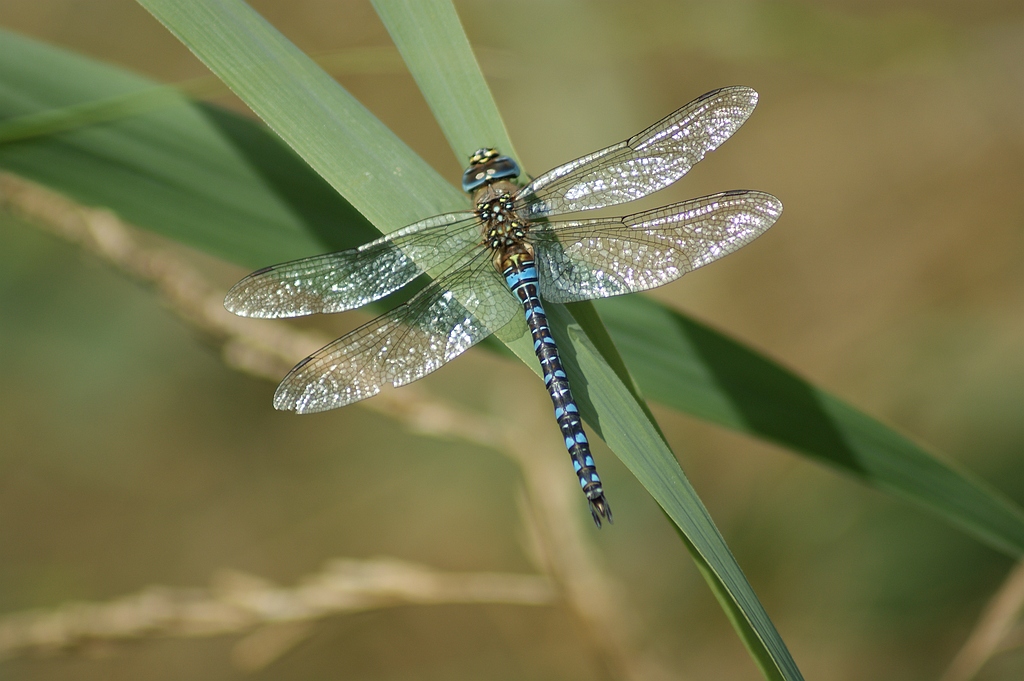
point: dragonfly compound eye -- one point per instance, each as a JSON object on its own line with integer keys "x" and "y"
{"x": 485, "y": 167}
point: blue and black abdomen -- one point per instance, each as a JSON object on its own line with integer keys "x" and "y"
{"x": 521, "y": 276}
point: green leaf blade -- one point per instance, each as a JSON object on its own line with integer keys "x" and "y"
{"x": 195, "y": 174}
{"x": 690, "y": 367}
{"x": 430, "y": 37}
{"x": 258, "y": 219}
{"x": 360, "y": 157}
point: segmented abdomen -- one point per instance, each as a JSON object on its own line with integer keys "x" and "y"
{"x": 521, "y": 277}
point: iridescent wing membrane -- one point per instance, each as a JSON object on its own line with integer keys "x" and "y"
{"x": 582, "y": 260}
{"x": 576, "y": 260}
{"x": 643, "y": 164}
{"x": 349, "y": 279}
{"x": 453, "y": 313}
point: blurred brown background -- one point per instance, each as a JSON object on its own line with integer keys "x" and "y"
{"x": 893, "y": 132}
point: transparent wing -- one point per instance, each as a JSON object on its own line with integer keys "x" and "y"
{"x": 439, "y": 323}
{"x": 646, "y": 162}
{"x": 581, "y": 260}
{"x": 348, "y": 279}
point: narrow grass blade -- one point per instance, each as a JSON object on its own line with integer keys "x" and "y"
{"x": 431, "y": 39}
{"x": 183, "y": 173}
{"x": 220, "y": 183}
{"x": 368, "y": 60}
{"x": 357, "y": 154}
{"x": 688, "y": 366}
{"x": 200, "y": 175}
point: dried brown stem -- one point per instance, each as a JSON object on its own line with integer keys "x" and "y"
{"x": 993, "y": 627}
{"x": 237, "y": 603}
{"x": 268, "y": 349}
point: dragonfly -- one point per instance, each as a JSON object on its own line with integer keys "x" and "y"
{"x": 499, "y": 261}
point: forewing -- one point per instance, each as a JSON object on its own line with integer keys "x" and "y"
{"x": 441, "y": 322}
{"x": 349, "y": 279}
{"x": 581, "y": 260}
{"x": 645, "y": 163}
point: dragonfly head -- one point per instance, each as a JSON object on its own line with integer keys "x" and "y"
{"x": 486, "y": 166}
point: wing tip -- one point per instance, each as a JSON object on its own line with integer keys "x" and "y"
{"x": 235, "y": 303}
{"x": 243, "y": 300}
{"x": 734, "y": 91}
{"x": 302, "y": 392}
{"x": 239, "y": 298}
{"x": 285, "y": 400}
{"x": 770, "y": 206}
{"x": 770, "y": 202}
{"x": 766, "y": 207}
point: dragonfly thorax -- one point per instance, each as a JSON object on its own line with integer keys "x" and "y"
{"x": 502, "y": 227}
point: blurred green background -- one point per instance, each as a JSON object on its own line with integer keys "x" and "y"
{"x": 893, "y": 132}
